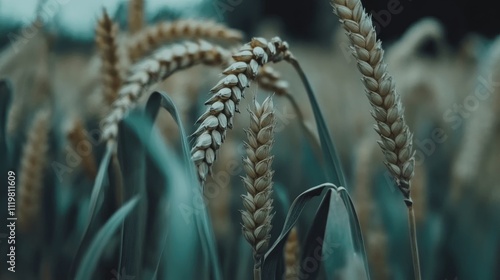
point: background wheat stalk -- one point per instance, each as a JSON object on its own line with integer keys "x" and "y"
{"x": 77, "y": 137}
{"x": 257, "y": 201}
{"x": 292, "y": 260}
{"x": 106, "y": 32}
{"x": 135, "y": 16}
{"x": 151, "y": 37}
{"x": 33, "y": 162}
{"x": 227, "y": 95}
{"x": 396, "y": 139}
{"x": 158, "y": 67}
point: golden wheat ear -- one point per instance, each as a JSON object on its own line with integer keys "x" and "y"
{"x": 107, "y": 47}
{"x": 257, "y": 202}
{"x": 33, "y": 163}
{"x": 150, "y": 38}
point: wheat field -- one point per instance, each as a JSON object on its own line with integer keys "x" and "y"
{"x": 177, "y": 146}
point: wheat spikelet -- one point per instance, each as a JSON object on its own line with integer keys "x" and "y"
{"x": 151, "y": 37}
{"x": 270, "y": 80}
{"x": 158, "y": 67}
{"x": 33, "y": 162}
{"x": 135, "y": 15}
{"x": 257, "y": 201}
{"x": 292, "y": 256}
{"x": 228, "y": 93}
{"x": 396, "y": 139}
{"x": 77, "y": 137}
{"x": 106, "y": 31}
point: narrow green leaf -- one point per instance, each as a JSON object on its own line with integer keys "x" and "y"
{"x": 186, "y": 206}
{"x": 202, "y": 219}
{"x": 133, "y": 169}
{"x": 273, "y": 259}
{"x": 96, "y": 191}
{"x": 93, "y": 253}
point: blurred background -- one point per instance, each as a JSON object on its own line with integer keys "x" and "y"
{"x": 445, "y": 59}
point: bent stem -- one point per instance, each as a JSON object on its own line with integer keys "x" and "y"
{"x": 413, "y": 240}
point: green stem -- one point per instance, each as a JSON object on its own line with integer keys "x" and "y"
{"x": 413, "y": 240}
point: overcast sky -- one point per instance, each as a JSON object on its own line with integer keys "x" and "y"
{"x": 76, "y": 16}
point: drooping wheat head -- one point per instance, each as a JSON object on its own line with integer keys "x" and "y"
{"x": 227, "y": 95}
{"x": 106, "y": 32}
{"x": 33, "y": 162}
{"x": 257, "y": 202}
{"x": 396, "y": 139}
{"x": 156, "y": 68}
{"x": 151, "y": 37}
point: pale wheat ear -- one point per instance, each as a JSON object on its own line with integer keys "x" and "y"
{"x": 106, "y": 42}
{"x": 228, "y": 92}
{"x": 33, "y": 163}
{"x": 292, "y": 257}
{"x": 135, "y": 16}
{"x": 396, "y": 138}
{"x": 151, "y": 37}
{"x": 257, "y": 202}
{"x": 158, "y": 67}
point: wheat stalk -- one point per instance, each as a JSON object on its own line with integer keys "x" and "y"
{"x": 106, "y": 31}
{"x": 479, "y": 129}
{"x": 158, "y": 67}
{"x": 396, "y": 139}
{"x": 33, "y": 162}
{"x": 227, "y": 95}
{"x": 257, "y": 201}
{"x": 151, "y": 37}
{"x": 292, "y": 260}
{"x": 77, "y": 136}
{"x": 135, "y": 15}
{"x": 270, "y": 80}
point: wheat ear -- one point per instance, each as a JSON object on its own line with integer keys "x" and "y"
{"x": 135, "y": 15}
{"x": 292, "y": 261}
{"x": 257, "y": 201}
{"x": 151, "y": 37}
{"x": 227, "y": 95}
{"x": 31, "y": 170}
{"x": 160, "y": 66}
{"x": 107, "y": 47}
{"x": 77, "y": 137}
{"x": 396, "y": 139}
